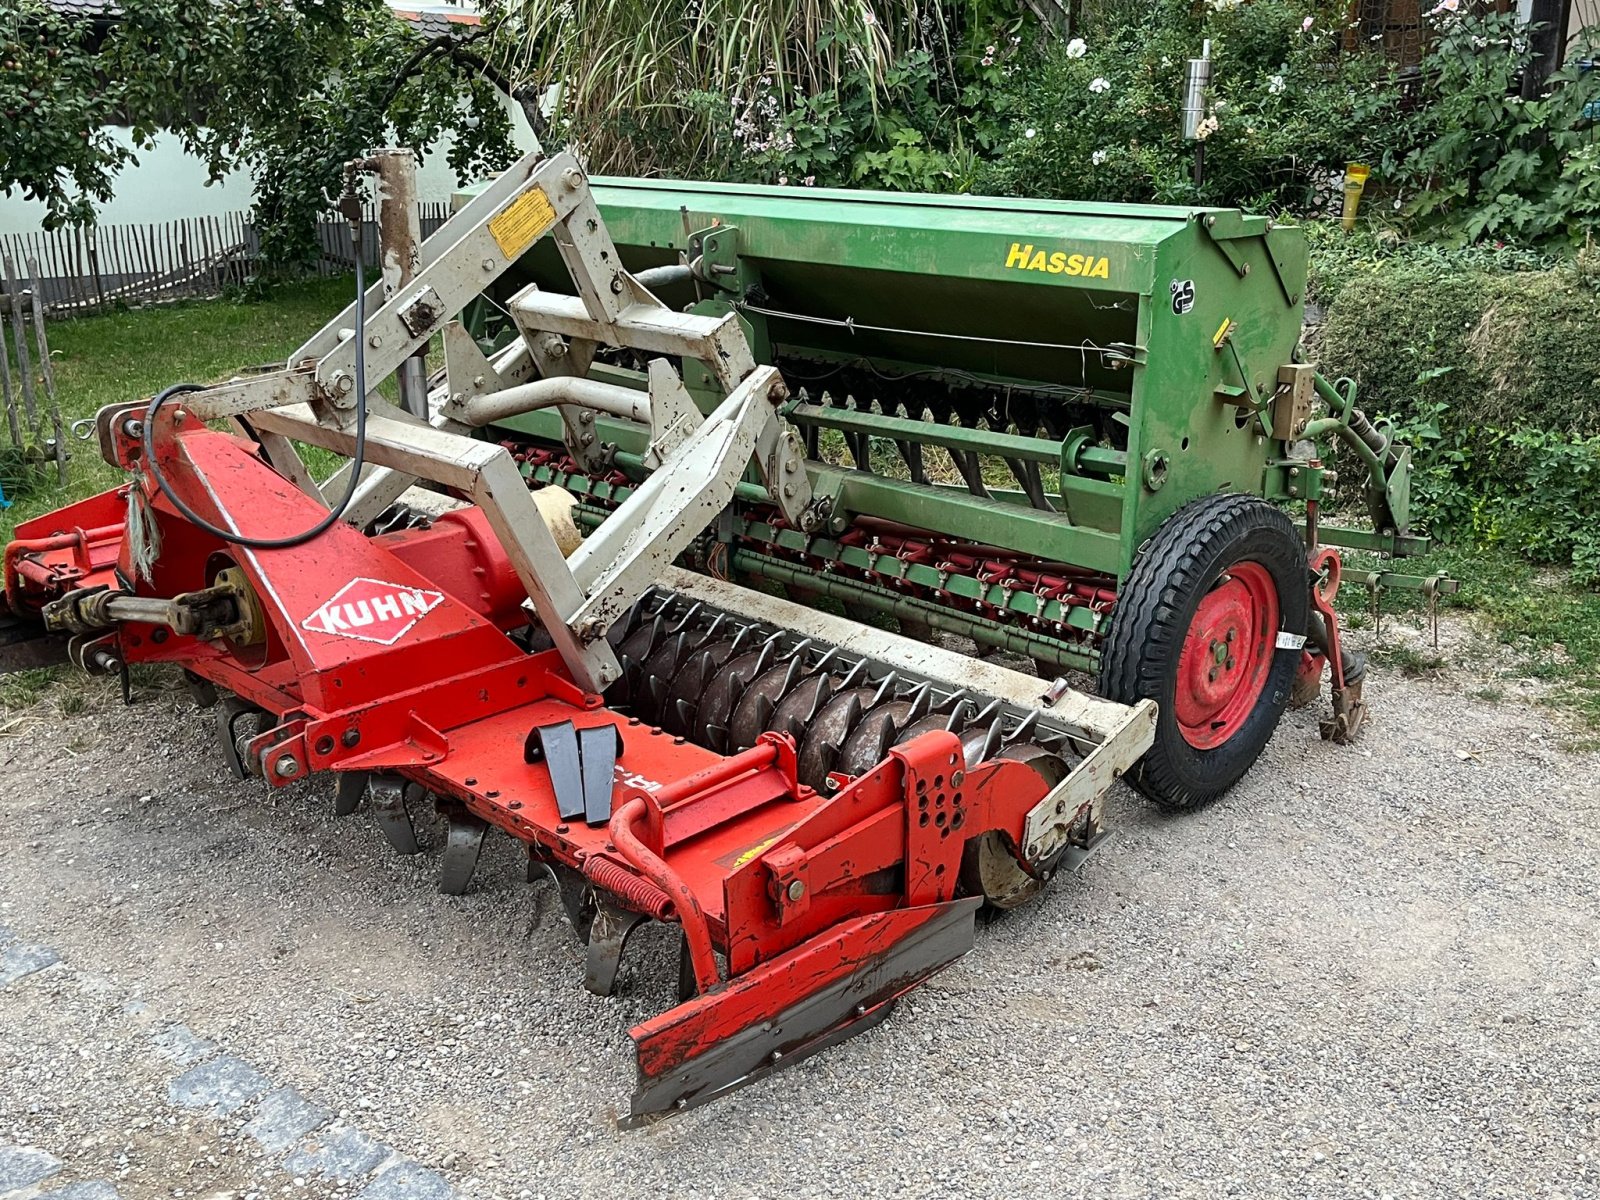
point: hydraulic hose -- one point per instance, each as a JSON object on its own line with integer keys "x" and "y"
{"x": 358, "y": 457}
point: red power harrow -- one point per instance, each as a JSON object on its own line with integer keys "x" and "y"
{"x": 821, "y": 807}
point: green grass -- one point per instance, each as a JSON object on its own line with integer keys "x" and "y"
{"x": 1550, "y": 626}
{"x": 133, "y": 354}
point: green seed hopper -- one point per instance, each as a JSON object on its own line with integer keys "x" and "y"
{"x": 1072, "y": 431}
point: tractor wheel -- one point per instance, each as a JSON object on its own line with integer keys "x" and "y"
{"x": 1196, "y": 629}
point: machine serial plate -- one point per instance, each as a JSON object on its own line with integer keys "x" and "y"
{"x": 520, "y": 223}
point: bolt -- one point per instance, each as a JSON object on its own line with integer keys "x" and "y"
{"x": 133, "y": 427}
{"x": 352, "y": 737}
{"x": 586, "y": 417}
{"x": 478, "y": 381}
{"x": 487, "y": 264}
{"x": 1294, "y": 472}
{"x": 957, "y": 778}
{"x": 375, "y": 341}
{"x": 587, "y": 439}
{"x": 1232, "y": 633}
{"x": 1061, "y": 807}
{"x": 1245, "y": 270}
{"x": 287, "y": 767}
{"x": 797, "y": 889}
{"x": 343, "y": 383}
{"x": 573, "y": 178}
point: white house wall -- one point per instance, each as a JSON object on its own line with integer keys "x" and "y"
{"x": 169, "y": 184}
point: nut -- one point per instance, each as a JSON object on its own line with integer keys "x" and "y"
{"x": 287, "y": 766}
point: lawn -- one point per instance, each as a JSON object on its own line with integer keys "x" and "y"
{"x": 132, "y": 354}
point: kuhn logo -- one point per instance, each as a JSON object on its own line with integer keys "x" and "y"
{"x": 373, "y": 611}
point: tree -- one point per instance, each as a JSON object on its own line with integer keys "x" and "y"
{"x": 286, "y": 89}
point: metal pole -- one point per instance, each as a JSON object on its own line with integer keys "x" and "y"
{"x": 399, "y": 233}
{"x": 1196, "y": 84}
{"x": 1548, "y": 42}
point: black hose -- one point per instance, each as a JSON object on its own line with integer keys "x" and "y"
{"x": 357, "y": 459}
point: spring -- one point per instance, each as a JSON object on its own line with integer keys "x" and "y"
{"x": 638, "y": 894}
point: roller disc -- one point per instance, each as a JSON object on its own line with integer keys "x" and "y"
{"x": 870, "y": 740}
{"x": 758, "y": 709}
{"x": 722, "y": 695}
{"x": 834, "y": 722}
{"x": 989, "y": 868}
{"x": 688, "y": 685}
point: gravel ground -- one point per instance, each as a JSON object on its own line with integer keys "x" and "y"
{"x": 1370, "y": 971}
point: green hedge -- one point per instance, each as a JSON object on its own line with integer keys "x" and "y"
{"x": 1488, "y": 363}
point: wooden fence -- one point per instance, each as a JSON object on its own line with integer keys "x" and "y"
{"x": 95, "y": 269}
{"x": 27, "y": 379}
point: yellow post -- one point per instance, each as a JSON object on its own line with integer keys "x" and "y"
{"x": 1355, "y": 180}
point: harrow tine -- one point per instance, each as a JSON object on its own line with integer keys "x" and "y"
{"x": 577, "y": 898}
{"x": 352, "y": 786}
{"x": 388, "y": 796}
{"x": 463, "y": 844}
{"x": 608, "y": 937}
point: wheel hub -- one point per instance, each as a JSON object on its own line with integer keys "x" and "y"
{"x": 1226, "y": 656}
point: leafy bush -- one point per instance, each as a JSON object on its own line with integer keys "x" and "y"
{"x": 1099, "y": 117}
{"x": 1486, "y": 363}
{"x": 1475, "y": 160}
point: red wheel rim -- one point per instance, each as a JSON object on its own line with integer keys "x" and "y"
{"x": 1227, "y": 656}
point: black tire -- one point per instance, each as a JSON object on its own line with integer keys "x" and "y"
{"x": 1187, "y": 556}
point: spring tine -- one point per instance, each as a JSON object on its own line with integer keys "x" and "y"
{"x": 739, "y": 639}
{"x": 885, "y": 689}
{"x": 717, "y": 737}
{"x": 683, "y": 622}
{"x": 764, "y": 656}
{"x": 955, "y": 700}
{"x": 989, "y": 712}
{"x": 855, "y": 676}
{"x": 717, "y": 622}
{"x": 1024, "y": 730}
{"x": 791, "y": 676}
{"x": 825, "y": 663}
{"x": 921, "y": 702}
{"x": 958, "y": 716}
{"x": 991, "y": 741}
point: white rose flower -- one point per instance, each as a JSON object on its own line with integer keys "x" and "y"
{"x": 1077, "y": 48}
{"x": 1099, "y": 84}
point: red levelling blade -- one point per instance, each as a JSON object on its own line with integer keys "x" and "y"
{"x": 836, "y": 985}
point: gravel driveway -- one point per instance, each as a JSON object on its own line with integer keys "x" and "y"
{"x": 1370, "y": 971}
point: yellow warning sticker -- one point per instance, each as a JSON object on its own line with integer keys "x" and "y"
{"x": 519, "y": 224}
